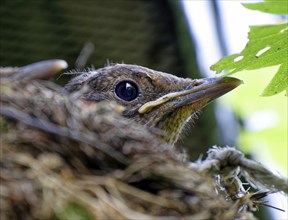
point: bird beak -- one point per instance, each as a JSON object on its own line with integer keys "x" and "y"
{"x": 201, "y": 93}
{"x": 209, "y": 90}
{"x": 39, "y": 70}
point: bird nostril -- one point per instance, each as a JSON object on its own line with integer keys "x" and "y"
{"x": 198, "y": 82}
{"x": 194, "y": 84}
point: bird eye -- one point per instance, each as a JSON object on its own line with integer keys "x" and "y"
{"x": 127, "y": 91}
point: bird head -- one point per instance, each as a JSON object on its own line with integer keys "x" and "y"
{"x": 150, "y": 97}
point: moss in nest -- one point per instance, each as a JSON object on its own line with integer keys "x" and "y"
{"x": 74, "y": 210}
{"x": 4, "y": 127}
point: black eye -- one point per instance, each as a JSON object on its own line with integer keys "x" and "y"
{"x": 127, "y": 91}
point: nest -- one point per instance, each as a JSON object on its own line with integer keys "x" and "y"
{"x": 63, "y": 158}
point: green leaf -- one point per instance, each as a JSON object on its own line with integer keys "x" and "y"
{"x": 267, "y": 46}
{"x": 279, "y": 82}
{"x": 270, "y": 6}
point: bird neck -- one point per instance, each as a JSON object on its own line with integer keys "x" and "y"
{"x": 174, "y": 123}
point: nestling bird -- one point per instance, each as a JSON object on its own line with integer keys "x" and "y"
{"x": 150, "y": 97}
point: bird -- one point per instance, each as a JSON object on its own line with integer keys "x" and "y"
{"x": 149, "y": 97}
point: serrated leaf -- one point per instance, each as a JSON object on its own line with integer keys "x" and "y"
{"x": 267, "y": 46}
{"x": 269, "y": 6}
{"x": 279, "y": 82}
